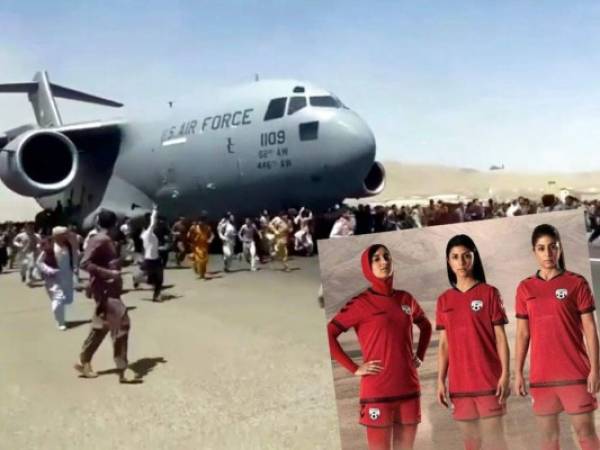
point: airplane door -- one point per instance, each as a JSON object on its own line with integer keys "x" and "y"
{"x": 221, "y": 163}
{"x": 169, "y": 171}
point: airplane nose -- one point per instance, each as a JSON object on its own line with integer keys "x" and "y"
{"x": 347, "y": 153}
{"x": 355, "y": 143}
{"x": 357, "y": 137}
{"x": 350, "y": 161}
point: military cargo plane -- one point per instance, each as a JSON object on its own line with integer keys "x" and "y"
{"x": 264, "y": 145}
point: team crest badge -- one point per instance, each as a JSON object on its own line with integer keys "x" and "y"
{"x": 406, "y": 309}
{"x": 476, "y": 305}
{"x": 374, "y": 413}
{"x": 561, "y": 294}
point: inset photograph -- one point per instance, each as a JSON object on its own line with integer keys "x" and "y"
{"x": 470, "y": 335}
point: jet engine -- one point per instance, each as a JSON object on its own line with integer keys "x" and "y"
{"x": 39, "y": 163}
{"x": 374, "y": 182}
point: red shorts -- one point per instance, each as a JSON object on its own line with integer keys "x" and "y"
{"x": 472, "y": 408}
{"x": 573, "y": 399}
{"x": 404, "y": 412}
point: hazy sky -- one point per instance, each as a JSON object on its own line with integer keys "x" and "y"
{"x": 460, "y": 83}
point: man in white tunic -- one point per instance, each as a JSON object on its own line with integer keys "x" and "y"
{"x": 247, "y": 235}
{"x": 56, "y": 264}
{"x": 227, "y": 234}
{"x": 303, "y": 240}
{"x": 27, "y": 243}
{"x": 343, "y": 227}
{"x": 151, "y": 268}
{"x": 128, "y": 249}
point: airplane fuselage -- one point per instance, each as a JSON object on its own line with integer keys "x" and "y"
{"x": 266, "y": 145}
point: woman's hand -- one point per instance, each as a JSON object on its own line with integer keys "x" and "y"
{"x": 417, "y": 362}
{"x": 593, "y": 382}
{"x": 519, "y": 386}
{"x": 442, "y": 394}
{"x": 503, "y": 389}
{"x": 369, "y": 368}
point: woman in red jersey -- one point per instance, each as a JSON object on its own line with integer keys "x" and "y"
{"x": 383, "y": 319}
{"x": 555, "y": 311}
{"x": 473, "y": 346}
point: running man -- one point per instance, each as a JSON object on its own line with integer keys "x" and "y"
{"x": 101, "y": 261}
{"x": 248, "y": 235}
{"x": 199, "y": 238}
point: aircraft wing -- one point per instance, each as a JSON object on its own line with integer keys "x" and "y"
{"x": 9, "y": 135}
{"x": 89, "y": 135}
{"x": 79, "y": 133}
{"x": 94, "y": 126}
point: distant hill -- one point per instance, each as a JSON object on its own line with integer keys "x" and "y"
{"x": 415, "y": 180}
{"x": 425, "y": 180}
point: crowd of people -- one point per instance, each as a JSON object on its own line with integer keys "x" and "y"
{"x": 51, "y": 251}
{"x": 253, "y": 241}
{"x": 388, "y": 218}
{"x": 262, "y": 238}
{"x": 258, "y": 240}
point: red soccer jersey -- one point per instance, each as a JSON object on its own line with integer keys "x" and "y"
{"x": 384, "y": 326}
{"x": 469, "y": 318}
{"x": 554, "y": 309}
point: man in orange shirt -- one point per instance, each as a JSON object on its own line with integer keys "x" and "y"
{"x": 199, "y": 237}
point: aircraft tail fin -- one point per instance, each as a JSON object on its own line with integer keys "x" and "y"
{"x": 41, "y": 94}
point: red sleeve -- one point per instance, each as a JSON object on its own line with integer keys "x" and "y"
{"x": 424, "y": 337}
{"x": 585, "y": 298}
{"x": 348, "y": 316}
{"x": 497, "y": 312}
{"x": 417, "y": 312}
{"x": 440, "y": 323}
{"x": 521, "y": 303}
{"x": 336, "y": 350}
{"x": 421, "y": 320}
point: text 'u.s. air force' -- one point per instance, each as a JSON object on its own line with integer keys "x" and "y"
{"x": 219, "y": 121}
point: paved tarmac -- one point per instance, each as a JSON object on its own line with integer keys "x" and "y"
{"x": 238, "y": 362}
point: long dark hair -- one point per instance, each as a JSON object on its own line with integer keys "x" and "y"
{"x": 465, "y": 241}
{"x": 548, "y": 230}
{"x": 374, "y": 248}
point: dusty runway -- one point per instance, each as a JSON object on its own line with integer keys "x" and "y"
{"x": 223, "y": 365}
{"x": 239, "y": 362}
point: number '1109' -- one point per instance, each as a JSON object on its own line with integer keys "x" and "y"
{"x": 272, "y": 138}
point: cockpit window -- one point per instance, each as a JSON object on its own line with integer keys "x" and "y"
{"x": 296, "y": 104}
{"x": 276, "y": 108}
{"x": 309, "y": 131}
{"x": 298, "y": 89}
{"x": 325, "y": 101}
